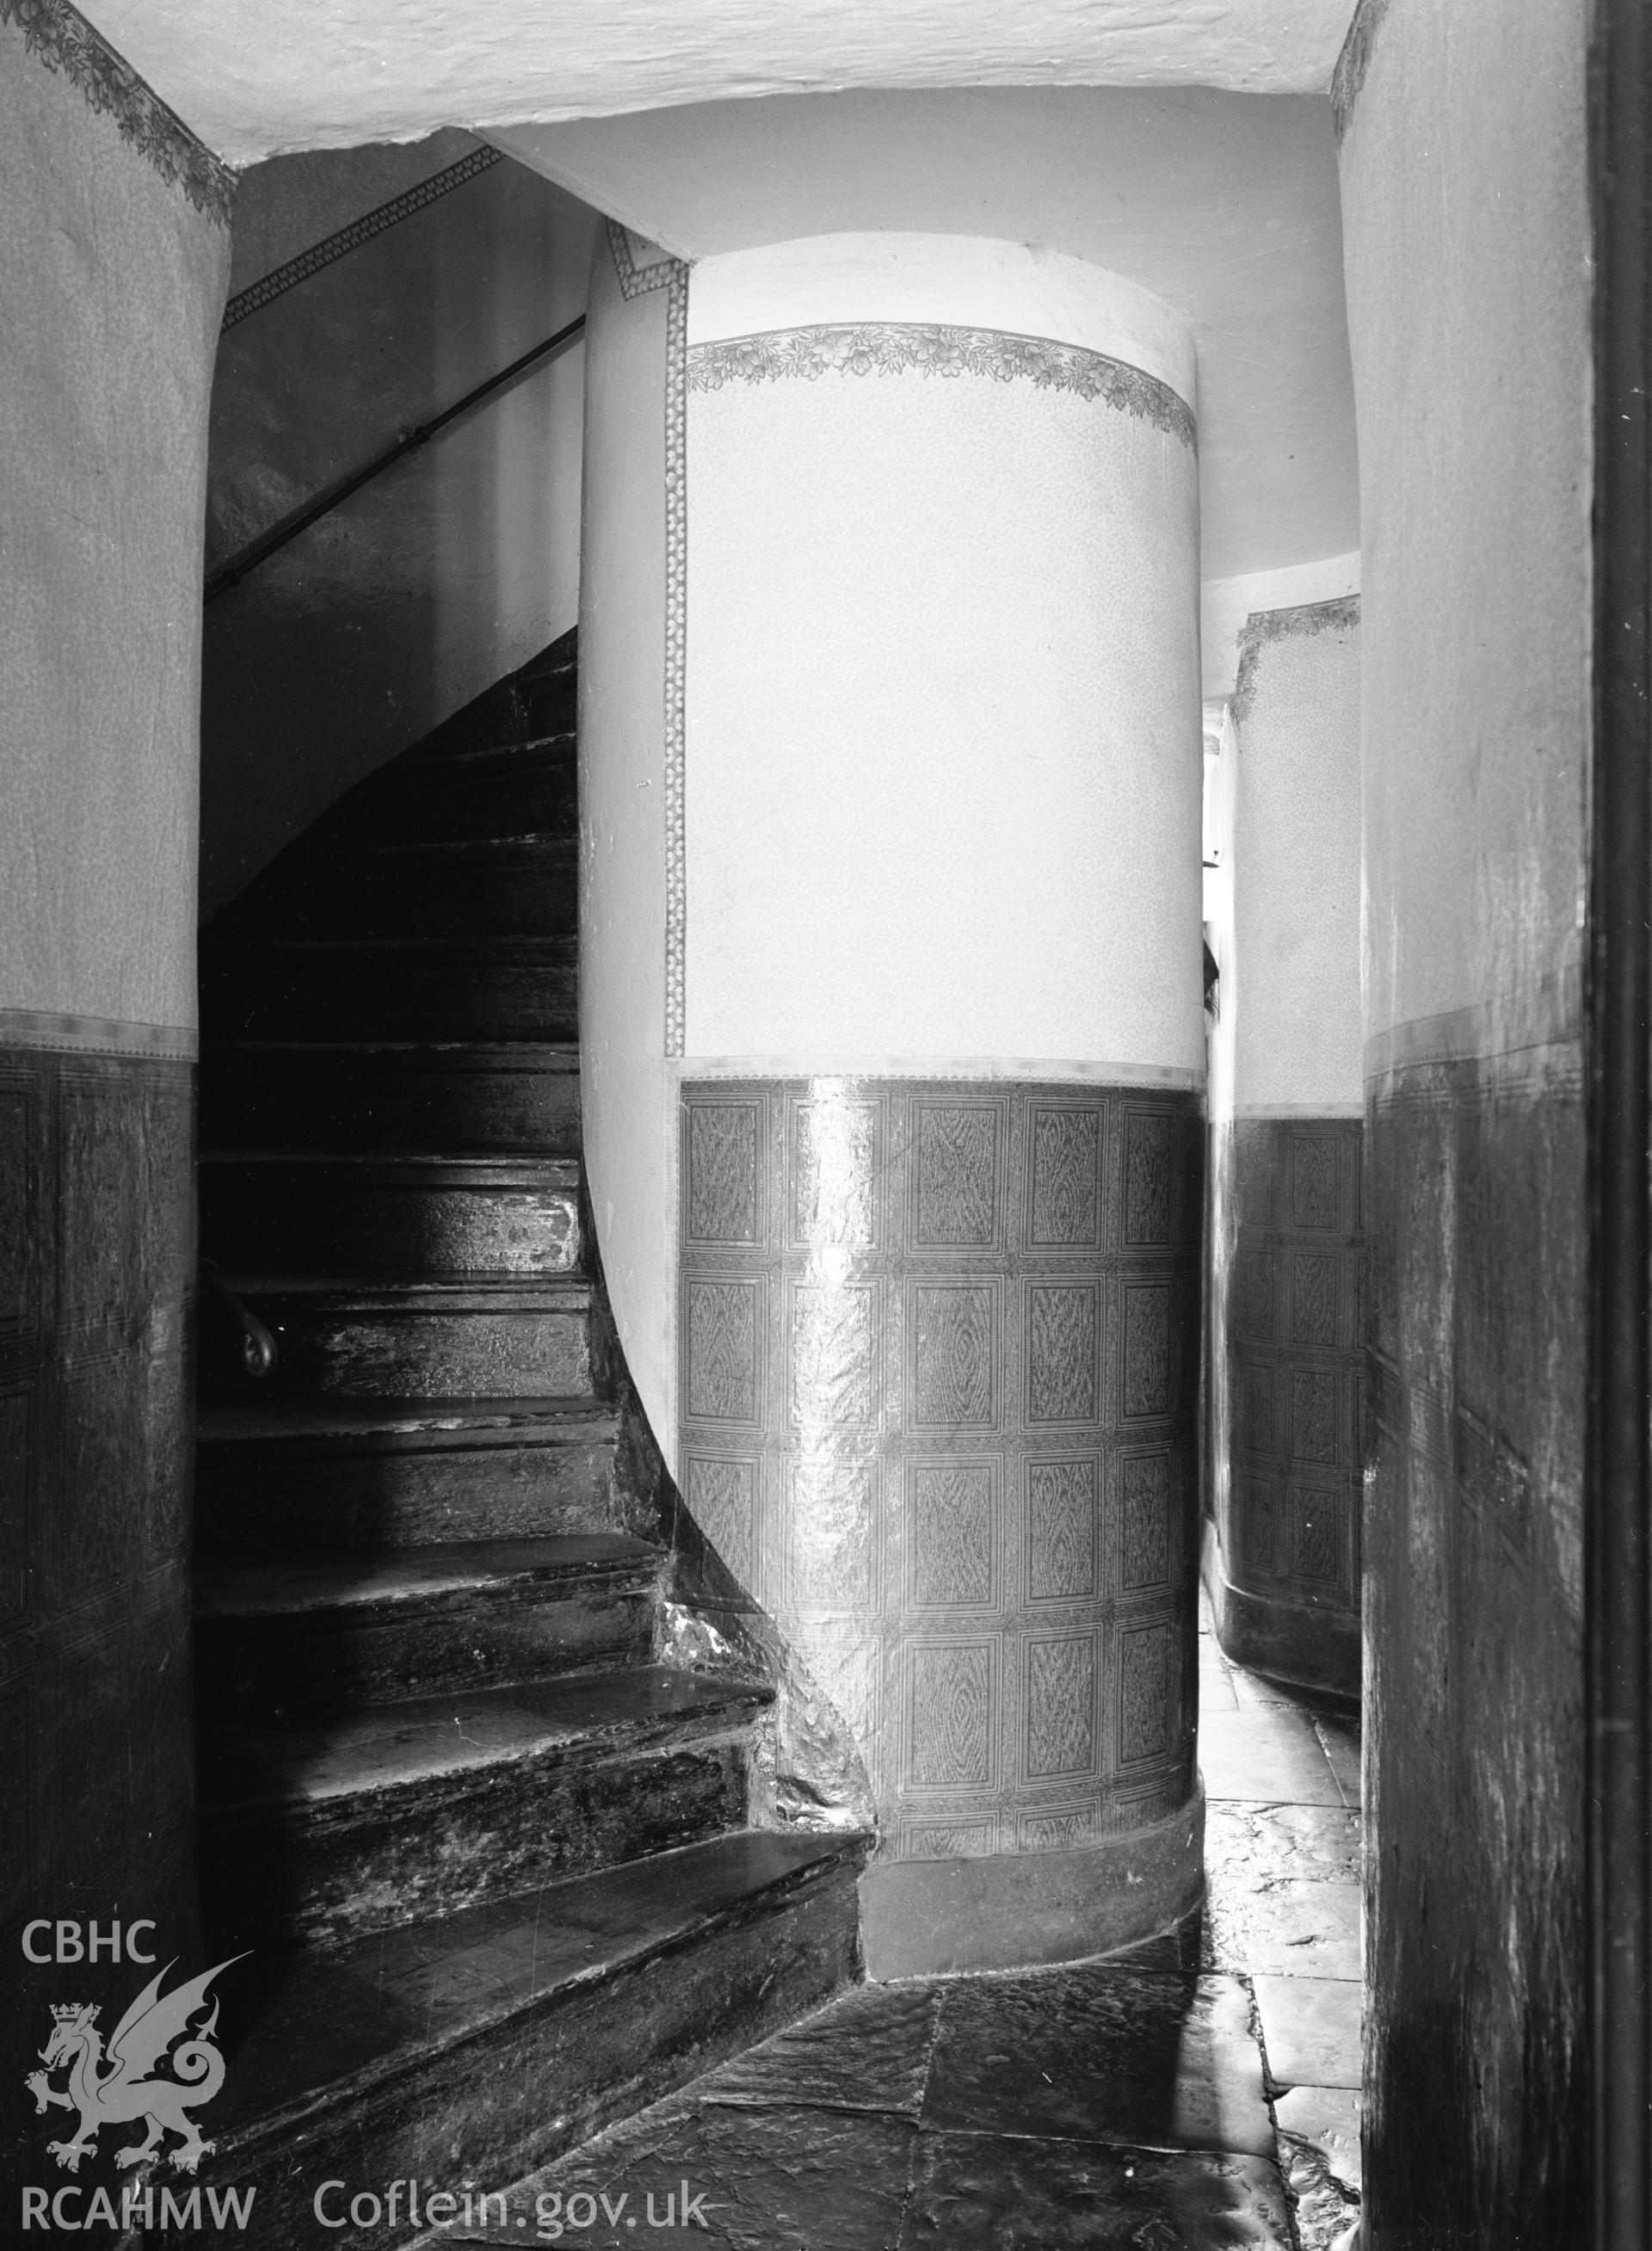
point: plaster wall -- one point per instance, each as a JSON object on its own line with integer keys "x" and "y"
{"x": 1286, "y": 1245}
{"x": 943, "y": 752}
{"x": 1476, "y": 867}
{"x": 1467, "y": 223}
{"x": 286, "y": 206}
{"x": 446, "y": 573}
{"x": 114, "y": 286}
{"x": 628, "y": 1106}
{"x": 1226, "y": 603}
{"x": 1294, "y": 981}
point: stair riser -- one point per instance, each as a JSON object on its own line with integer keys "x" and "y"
{"x": 477, "y": 1355}
{"x": 496, "y": 2108}
{"x": 350, "y": 1866}
{"x": 260, "y": 1219}
{"x": 337, "y": 996}
{"x": 257, "y": 1669}
{"x": 281, "y": 1504}
{"x": 287, "y": 1098}
{"x": 526, "y": 711}
{"x": 504, "y": 891}
{"x": 477, "y": 801}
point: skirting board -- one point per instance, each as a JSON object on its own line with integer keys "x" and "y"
{"x": 1014, "y": 1911}
{"x": 1318, "y": 1650}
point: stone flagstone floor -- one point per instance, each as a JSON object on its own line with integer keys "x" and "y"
{"x": 1197, "y": 2093}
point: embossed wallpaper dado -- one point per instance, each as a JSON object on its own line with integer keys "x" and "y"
{"x": 1295, "y": 1350}
{"x": 938, "y": 1384}
{"x": 97, "y": 1279}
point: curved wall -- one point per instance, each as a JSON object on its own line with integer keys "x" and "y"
{"x": 943, "y": 726}
{"x": 1288, "y": 1210}
{"x": 1466, "y": 200}
{"x": 429, "y": 584}
{"x": 626, "y": 1101}
{"x": 1299, "y": 1044}
{"x": 926, "y": 853}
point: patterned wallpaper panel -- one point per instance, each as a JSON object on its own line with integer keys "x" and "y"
{"x": 939, "y": 1379}
{"x": 1295, "y": 1362}
{"x": 97, "y": 1272}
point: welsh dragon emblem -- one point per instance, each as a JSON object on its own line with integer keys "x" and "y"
{"x": 126, "y": 2089}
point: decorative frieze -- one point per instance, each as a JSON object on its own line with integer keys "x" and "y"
{"x": 670, "y": 274}
{"x": 899, "y": 348}
{"x": 60, "y": 37}
{"x": 1265, "y": 627}
{"x": 1354, "y": 60}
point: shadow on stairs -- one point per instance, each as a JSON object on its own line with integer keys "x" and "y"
{"x": 488, "y": 1852}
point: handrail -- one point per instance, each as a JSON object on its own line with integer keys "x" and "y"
{"x": 270, "y": 543}
{"x": 259, "y": 1351}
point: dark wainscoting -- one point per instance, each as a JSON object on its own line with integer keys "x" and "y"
{"x": 938, "y": 1349}
{"x": 1475, "y": 2132}
{"x": 97, "y": 1264}
{"x": 1285, "y": 1575}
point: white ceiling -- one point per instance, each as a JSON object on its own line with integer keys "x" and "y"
{"x": 1225, "y": 204}
{"x": 1186, "y": 143}
{"x": 255, "y": 76}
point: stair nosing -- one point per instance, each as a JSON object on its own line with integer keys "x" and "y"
{"x": 523, "y": 948}
{"x": 716, "y": 1712}
{"x": 564, "y": 1054}
{"x": 424, "y": 755}
{"x": 824, "y": 1850}
{"x": 291, "y": 1422}
{"x": 490, "y": 1286}
{"x": 359, "y": 1161}
{"x": 338, "y": 848}
{"x": 369, "y": 1582}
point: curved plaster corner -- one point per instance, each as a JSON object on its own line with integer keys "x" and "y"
{"x": 949, "y": 279}
{"x": 256, "y": 77}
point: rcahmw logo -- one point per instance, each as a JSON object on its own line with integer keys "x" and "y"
{"x": 158, "y": 2067}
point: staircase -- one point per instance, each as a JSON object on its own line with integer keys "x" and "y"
{"x": 490, "y": 1854}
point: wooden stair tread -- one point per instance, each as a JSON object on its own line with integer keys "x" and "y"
{"x": 484, "y": 1292}
{"x": 422, "y": 1737}
{"x": 416, "y": 1168}
{"x": 525, "y": 1054}
{"x": 370, "y": 1423}
{"x": 435, "y": 752}
{"x": 342, "y": 1583}
{"x": 560, "y": 948}
{"x": 339, "y": 2021}
{"x": 499, "y": 843}
{"x": 560, "y": 840}
{"x": 431, "y": 754}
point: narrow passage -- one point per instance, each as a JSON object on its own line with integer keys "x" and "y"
{"x": 1198, "y": 2093}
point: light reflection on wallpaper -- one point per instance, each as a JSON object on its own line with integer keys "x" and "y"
{"x": 938, "y": 1349}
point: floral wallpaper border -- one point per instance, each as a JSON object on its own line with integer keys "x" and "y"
{"x": 936, "y": 348}
{"x": 64, "y": 41}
